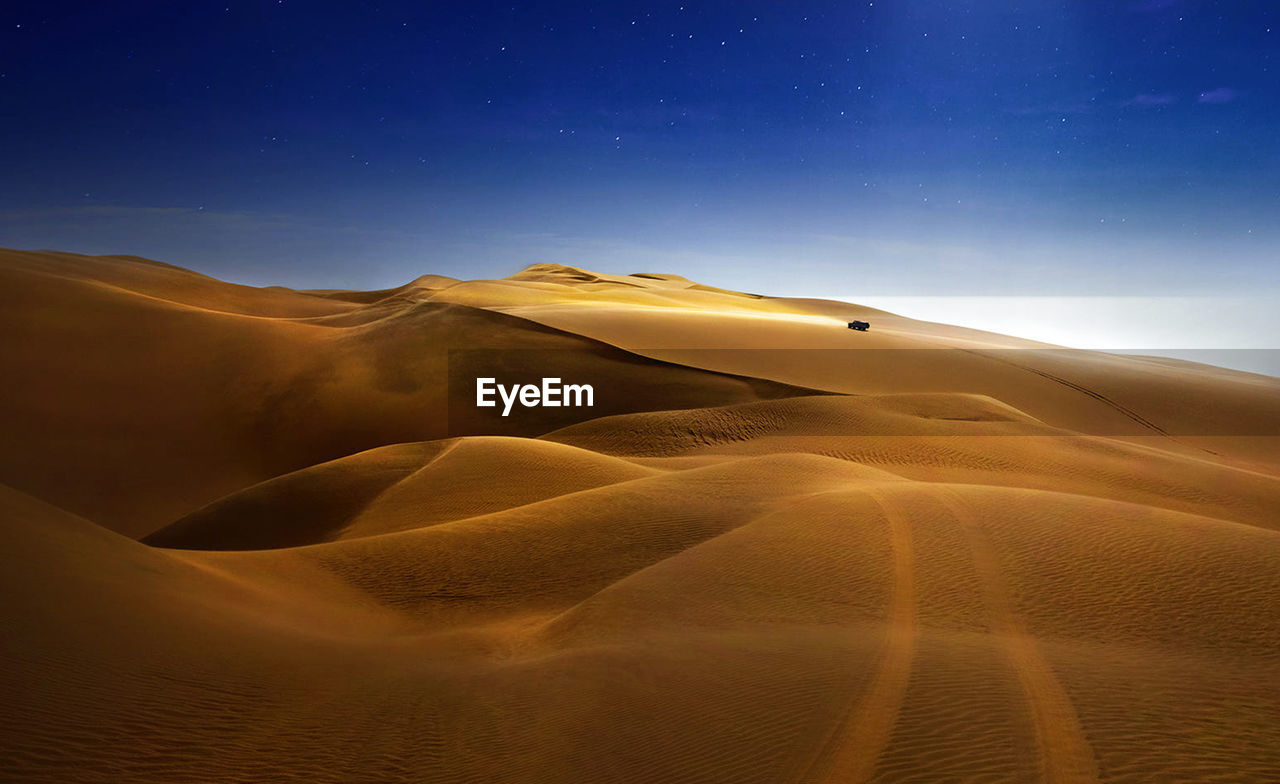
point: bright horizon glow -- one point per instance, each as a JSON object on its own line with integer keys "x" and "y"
{"x": 1232, "y": 332}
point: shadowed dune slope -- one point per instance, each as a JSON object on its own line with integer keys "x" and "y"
{"x": 401, "y": 486}
{"x": 302, "y": 507}
{"x": 933, "y": 579}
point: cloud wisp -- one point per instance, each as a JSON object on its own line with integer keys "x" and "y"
{"x": 1218, "y": 95}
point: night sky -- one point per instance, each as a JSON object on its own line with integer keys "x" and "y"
{"x": 890, "y": 148}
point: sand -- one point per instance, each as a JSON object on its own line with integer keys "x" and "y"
{"x": 252, "y": 535}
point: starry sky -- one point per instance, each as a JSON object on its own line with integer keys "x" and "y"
{"x": 889, "y": 148}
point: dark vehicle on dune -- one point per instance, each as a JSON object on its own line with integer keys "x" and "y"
{"x": 861, "y": 326}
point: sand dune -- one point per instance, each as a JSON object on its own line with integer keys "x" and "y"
{"x": 946, "y": 438}
{"x": 138, "y": 401}
{"x": 389, "y": 488}
{"x": 972, "y": 559}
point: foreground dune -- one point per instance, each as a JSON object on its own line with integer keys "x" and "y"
{"x": 961, "y": 558}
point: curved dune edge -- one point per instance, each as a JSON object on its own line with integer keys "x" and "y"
{"x": 930, "y": 574}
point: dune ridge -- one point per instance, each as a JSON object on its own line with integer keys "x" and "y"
{"x": 241, "y": 539}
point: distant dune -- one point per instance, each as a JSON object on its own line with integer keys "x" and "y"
{"x": 264, "y": 535}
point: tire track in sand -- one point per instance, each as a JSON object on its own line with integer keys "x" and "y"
{"x": 1065, "y": 754}
{"x": 1101, "y": 398}
{"x": 854, "y": 745}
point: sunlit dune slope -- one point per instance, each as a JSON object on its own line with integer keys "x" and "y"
{"x": 803, "y": 342}
{"x": 963, "y": 566}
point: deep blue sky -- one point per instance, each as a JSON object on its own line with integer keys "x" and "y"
{"x": 891, "y": 148}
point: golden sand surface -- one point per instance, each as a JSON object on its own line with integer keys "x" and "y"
{"x": 249, "y": 535}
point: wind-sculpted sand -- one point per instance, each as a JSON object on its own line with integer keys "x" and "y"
{"x": 248, "y": 535}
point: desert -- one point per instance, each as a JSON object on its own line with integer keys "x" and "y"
{"x": 265, "y": 534}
